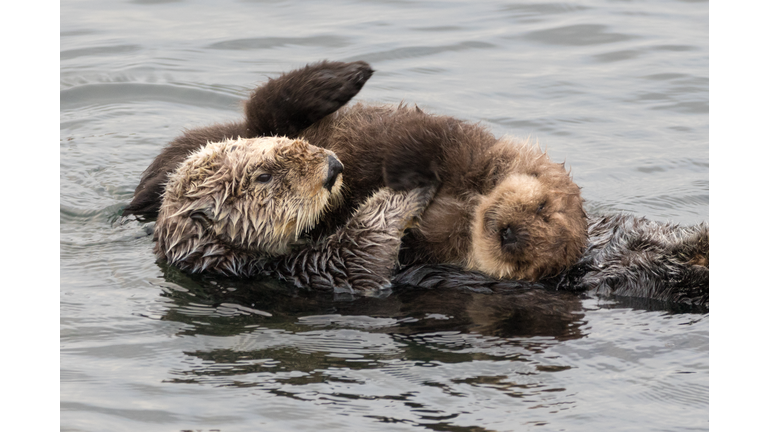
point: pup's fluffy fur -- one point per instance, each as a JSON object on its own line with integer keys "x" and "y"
{"x": 504, "y": 208}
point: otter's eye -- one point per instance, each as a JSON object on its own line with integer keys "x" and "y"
{"x": 541, "y": 207}
{"x": 264, "y": 178}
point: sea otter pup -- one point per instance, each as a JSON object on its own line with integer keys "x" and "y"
{"x": 241, "y": 208}
{"x": 503, "y": 208}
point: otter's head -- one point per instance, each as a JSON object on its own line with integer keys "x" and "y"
{"x": 244, "y": 197}
{"x": 530, "y": 225}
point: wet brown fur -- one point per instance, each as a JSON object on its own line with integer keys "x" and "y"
{"x": 503, "y": 208}
{"x": 215, "y": 208}
{"x": 242, "y": 208}
{"x": 636, "y": 257}
{"x": 488, "y": 185}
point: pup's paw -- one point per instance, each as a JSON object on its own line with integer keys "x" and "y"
{"x": 406, "y": 172}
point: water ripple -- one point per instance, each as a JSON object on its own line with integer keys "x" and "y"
{"x": 421, "y": 51}
{"x": 110, "y": 50}
{"x": 125, "y": 93}
{"x": 536, "y": 9}
{"x": 260, "y": 43}
{"x": 578, "y": 35}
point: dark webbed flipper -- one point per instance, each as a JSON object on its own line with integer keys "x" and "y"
{"x": 290, "y": 103}
{"x": 361, "y": 256}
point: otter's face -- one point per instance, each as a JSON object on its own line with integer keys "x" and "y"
{"x": 529, "y": 226}
{"x": 247, "y": 195}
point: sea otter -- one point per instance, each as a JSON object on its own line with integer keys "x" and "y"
{"x": 503, "y": 208}
{"x": 241, "y": 208}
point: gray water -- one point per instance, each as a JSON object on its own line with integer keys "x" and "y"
{"x": 616, "y": 89}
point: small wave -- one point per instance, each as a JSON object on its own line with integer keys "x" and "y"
{"x": 130, "y": 92}
{"x": 117, "y": 50}
{"x": 422, "y": 51}
{"x": 264, "y": 43}
{"x": 577, "y": 35}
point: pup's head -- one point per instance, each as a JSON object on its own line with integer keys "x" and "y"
{"x": 253, "y": 196}
{"x": 530, "y": 225}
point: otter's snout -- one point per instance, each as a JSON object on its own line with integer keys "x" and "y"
{"x": 513, "y": 239}
{"x": 334, "y": 169}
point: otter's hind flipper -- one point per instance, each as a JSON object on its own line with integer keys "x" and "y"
{"x": 361, "y": 256}
{"x": 631, "y": 256}
{"x": 290, "y": 103}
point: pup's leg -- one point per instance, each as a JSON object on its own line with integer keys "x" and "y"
{"x": 361, "y": 256}
{"x": 290, "y": 103}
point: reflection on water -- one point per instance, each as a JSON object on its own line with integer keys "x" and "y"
{"x": 617, "y": 90}
{"x": 397, "y": 358}
{"x": 371, "y": 351}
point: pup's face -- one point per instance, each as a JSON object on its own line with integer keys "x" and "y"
{"x": 529, "y": 226}
{"x": 254, "y": 195}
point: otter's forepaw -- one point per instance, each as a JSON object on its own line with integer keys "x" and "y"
{"x": 392, "y": 212}
{"x": 292, "y": 102}
{"x": 405, "y": 173}
{"x": 370, "y": 242}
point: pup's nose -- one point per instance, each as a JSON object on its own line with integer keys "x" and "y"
{"x": 334, "y": 169}
{"x": 508, "y": 236}
{"x": 513, "y": 239}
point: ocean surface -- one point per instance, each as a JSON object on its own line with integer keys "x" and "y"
{"x": 618, "y": 90}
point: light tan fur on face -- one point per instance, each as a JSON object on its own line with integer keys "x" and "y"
{"x": 217, "y": 200}
{"x": 541, "y": 208}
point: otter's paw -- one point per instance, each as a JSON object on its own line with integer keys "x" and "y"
{"x": 402, "y": 174}
{"x": 292, "y": 102}
{"x": 391, "y": 211}
{"x": 369, "y": 244}
{"x": 414, "y": 152}
{"x": 360, "y": 257}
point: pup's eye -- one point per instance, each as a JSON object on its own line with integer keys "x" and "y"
{"x": 264, "y": 178}
{"x": 541, "y": 207}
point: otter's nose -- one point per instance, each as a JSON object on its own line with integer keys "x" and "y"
{"x": 334, "y": 169}
{"x": 512, "y": 239}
